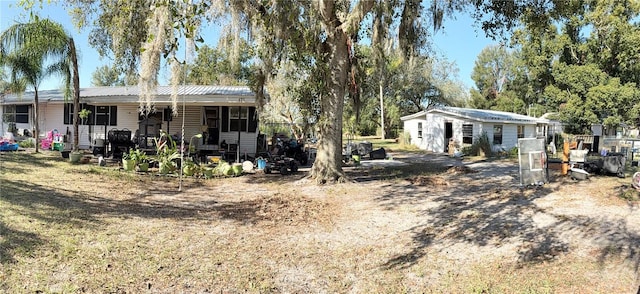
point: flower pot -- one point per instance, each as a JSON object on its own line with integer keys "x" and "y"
{"x": 236, "y": 169}
{"x": 188, "y": 171}
{"x": 74, "y": 157}
{"x": 143, "y": 166}
{"x": 164, "y": 168}
{"x": 208, "y": 173}
{"x": 128, "y": 164}
{"x": 65, "y": 153}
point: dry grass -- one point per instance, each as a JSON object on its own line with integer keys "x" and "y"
{"x": 414, "y": 229}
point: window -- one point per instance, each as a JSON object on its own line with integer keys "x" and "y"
{"x": 419, "y": 130}
{"x": 16, "y": 113}
{"x": 100, "y": 115}
{"x": 467, "y": 134}
{"x": 520, "y": 132}
{"x": 211, "y": 117}
{"x": 106, "y": 115}
{"x": 238, "y": 118}
{"x": 497, "y": 134}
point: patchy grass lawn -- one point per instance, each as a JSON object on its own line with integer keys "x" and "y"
{"x": 418, "y": 228}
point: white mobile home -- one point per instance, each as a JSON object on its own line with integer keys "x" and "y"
{"x": 432, "y": 129}
{"x": 219, "y": 113}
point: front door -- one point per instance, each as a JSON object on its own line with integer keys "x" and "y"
{"x": 448, "y": 134}
{"x": 212, "y": 135}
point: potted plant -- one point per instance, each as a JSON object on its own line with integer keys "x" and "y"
{"x": 207, "y": 172}
{"x": 143, "y": 164}
{"x": 166, "y": 153}
{"x": 141, "y": 159}
{"x": 128, "y": 163}
{"x": 189, "y": 168}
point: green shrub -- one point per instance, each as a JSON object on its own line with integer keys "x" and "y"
{"x": 26, "y": 144}
{"x": 513, "y": 152}
{"x": 481, "y": 145}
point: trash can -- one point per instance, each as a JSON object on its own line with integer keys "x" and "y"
{"x": 262, "y": 163}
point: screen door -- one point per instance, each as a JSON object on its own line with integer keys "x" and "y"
{"x": 533, "y": 161}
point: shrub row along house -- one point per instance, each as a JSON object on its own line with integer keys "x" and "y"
{"x": 432, "y": 129}
{"x": 220, "y": 113}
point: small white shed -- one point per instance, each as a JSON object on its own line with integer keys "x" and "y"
{"x": 432, "y": 129}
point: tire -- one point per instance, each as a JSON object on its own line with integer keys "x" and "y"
{"x": 294, "y": 167}
{"x": 284, "y": 171}
{"x": 267, "y": 170}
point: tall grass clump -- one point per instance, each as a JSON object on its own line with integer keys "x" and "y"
{"x": 27, "y": 144}
{"x": 404, "y": 139}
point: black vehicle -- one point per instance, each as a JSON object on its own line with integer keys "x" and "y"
{"x": 294, "y": 149}
{"x": 281, "y": 159}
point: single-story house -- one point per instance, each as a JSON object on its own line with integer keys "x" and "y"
{"x": 432, "y": 129}
{"x": 219, "y": 113}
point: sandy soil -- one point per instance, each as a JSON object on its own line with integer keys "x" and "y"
{"x": 469, "y": 228}
{"x": 472, "y": 213}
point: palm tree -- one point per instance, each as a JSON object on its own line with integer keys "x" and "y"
{"x": 35, "y": 50}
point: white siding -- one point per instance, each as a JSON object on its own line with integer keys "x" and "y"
{"x": 247, "y": 141}
{"x": 411, "y": 127}
{"x": 509, "y": 135}
{"x": 51, "y": 116}
{"x": 192, "y": 122}
{"x": 435, "y": 135}
{"x": 457, "y": 129}
{"x": 127, "y": 118}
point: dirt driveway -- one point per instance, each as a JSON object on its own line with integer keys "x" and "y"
{"x": 477, "y": 213}
{"x": 469, "y": 227}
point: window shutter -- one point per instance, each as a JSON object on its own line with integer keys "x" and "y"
{"x": 113, "y": 116}
{"x": 225, "y": 118}
{"x": 66, "y": 114}
{"x": 253, "y": 120}
{"x": 92, "y": 116}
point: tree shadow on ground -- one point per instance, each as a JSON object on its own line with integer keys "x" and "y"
{"x": 26, "y": 161}
{"x": 383, "y": 173}
{"x": 495, "y": 211}
{"x": 12, "y": 240}
{"x": 273, "y": 178}
{"x": 67, "y": 206}
{"x": 63, "y": 206}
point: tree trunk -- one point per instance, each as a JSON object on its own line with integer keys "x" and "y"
{"x": 36, "y": 131}
{"x": 76, "y": 94}
{"x": 328, "y": 163}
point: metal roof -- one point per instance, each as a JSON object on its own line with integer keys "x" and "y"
{"x": 483, "y": 115}
{"x": 129, "y": 94}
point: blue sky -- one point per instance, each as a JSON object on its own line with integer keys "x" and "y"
{"x": 460, "y": 41}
